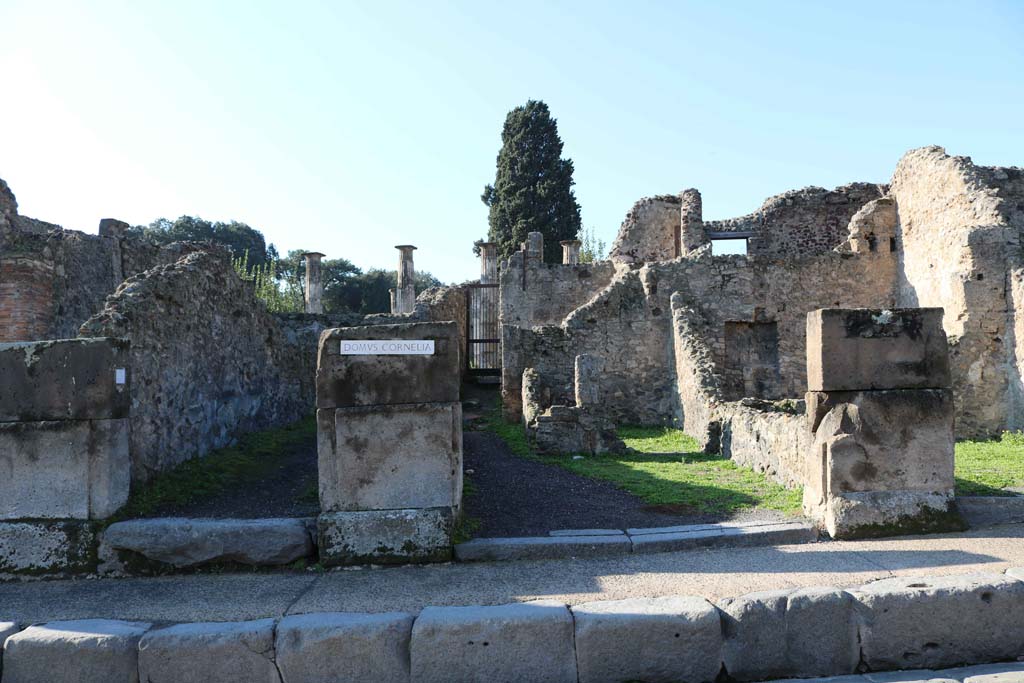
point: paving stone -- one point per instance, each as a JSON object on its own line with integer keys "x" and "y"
{"x": 530, "y": 641}
{"x": 724, "y": 536}
{"x": 232, "y": 652}
{"x": 189, "y": 542}
{"x": 934, "y": 622}
{"x": 1004, "y": 677}
{"x": 912, "y": 676}
{"x": 586, "y": 532}
{"x": 981, "y": 511}
{"x": 541, "y": 547}
{"x": 656, "y": 640}
{"x": 962, "y": 673}
{"x": 85, "y": 651}
{"x": 344, "y": 647}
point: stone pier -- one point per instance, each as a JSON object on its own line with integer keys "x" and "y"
{"x": 570, "y": 252}
{"x": 389, "y": 442}
{"x": 880, "y": 413}
{"x": 314, "y": 283}
{"x": 404, "y": 299}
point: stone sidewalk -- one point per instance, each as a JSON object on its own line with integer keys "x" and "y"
{"x": 712, "y": 574}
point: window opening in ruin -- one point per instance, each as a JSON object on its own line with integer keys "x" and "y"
{"x": 751, "y": 367}
{"x": 726, "y": 246}
{"x": 892, "y": 244}
{"x": 872, "y": 242}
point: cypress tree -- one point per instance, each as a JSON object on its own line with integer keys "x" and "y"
{"x": 532, "y": 190}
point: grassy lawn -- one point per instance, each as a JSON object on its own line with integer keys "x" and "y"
{"x": 986, "y": 468}
{"x": 668, "y": 468}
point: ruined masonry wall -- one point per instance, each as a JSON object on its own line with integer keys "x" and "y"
{"x": 650, "y": 231}
{"x": 812, "y": 220}
{"x": 551, "y": 292}
{"x": 629, "y": 324}
{"x": 957, "y": 249}
{"x": 209, "y": 362}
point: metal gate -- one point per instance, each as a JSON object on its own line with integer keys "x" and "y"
{"x": 483, "y": 336}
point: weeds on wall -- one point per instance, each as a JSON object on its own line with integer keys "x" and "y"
{"x": 279, "y": 296}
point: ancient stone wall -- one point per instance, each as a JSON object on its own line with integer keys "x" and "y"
{"x": 650, "y": 232}
{"x": 544, "y": 293}
{"x": 812, "y": 220}
{"x": 959, "y": 244}
{"x": 209, "y": 362}
{"x": 629, "y": 325}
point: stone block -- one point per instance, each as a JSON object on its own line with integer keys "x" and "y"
{"x": 232, "y": 652}
{"x": 390, "y": 457}
{"x": 365, "y": 380}
{"x": 47, "y": 547}
{"x": 542, "y": 547}
{"x": 7, "y": 629}
{"x": 940, "y": 621}
{"x": 885, "y": 440}
{"x": 66, "y": 379}
{"x": 1001, "y": 677}
{"x": 777, "y": 634}
{"x": 190, "y": 542}
{"x": 656, "y": 640}
{"x": 881, "y": 460}
{"x": 531, "y": 641}
{"x": 71, "y": 469}
{"x": 344, "y": 647}
{"x": 86, "y": 651}
{"x": 852, "y": 349}
{"x": 385, "y": 536}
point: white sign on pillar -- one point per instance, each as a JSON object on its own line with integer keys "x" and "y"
{"x": 387, "y": 347}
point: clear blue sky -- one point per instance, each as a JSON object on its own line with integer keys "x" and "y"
{"x": 351, "y": 127}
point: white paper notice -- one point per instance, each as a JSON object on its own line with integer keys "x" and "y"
{"x": 120, "y": 376}
{"x": 387, "y": 347}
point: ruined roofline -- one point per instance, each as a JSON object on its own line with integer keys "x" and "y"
{"x": 798, "y": 196}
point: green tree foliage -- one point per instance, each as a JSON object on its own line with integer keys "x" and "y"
{"x": 593, "y": 247}
{"x": 532, "y": 188}
{"x": 240, "y": 238}
{"x": 279, "y": 296}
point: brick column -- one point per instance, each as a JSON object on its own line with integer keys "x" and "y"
{"x": 314, "y": 283}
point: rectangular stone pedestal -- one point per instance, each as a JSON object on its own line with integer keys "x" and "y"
{"x": 385, "y": 536}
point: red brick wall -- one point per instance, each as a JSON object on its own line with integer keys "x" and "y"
{"x": 26, "y": 299}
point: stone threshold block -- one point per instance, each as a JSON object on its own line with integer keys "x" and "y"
{"x": 385, "y": 536}
{"x": 181, "y": 543}
{"x": 344, "y": 647}
{"x": 232, "y": 652}
{"x": 47, "y": 547}
{"x": 390, "y": 457}
{"x": 67, "y": 469}
{"x": 382, "y": 379}
{"x": 85, "y": 651}
{"x": 940, "y": 621}
{"x": 531, "y": 641}
{"x": 64, "y": 379}
{"x": 648, "y": 639}
{"x": 853, "y": 349}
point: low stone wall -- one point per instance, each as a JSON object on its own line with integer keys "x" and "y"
{"x": 64, "y": 456}
{"x": 544, "y": 293}
{"x": 894, "y": 624}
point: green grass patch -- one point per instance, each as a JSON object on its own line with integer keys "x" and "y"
{"x": 988, "y": 468}
{"x": 250, "y": 459}
{"x": 666, "y": 468}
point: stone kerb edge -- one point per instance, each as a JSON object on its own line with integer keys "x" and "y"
{"x": 369, "y": 643}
